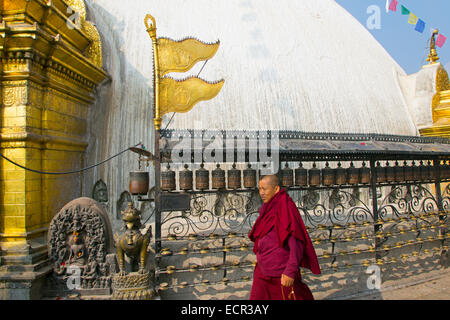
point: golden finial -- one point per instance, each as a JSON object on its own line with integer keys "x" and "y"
{"x": 433, "y": 57}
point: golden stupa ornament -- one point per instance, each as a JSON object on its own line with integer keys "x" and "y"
{"x": 179, "y": 56}
{"x": 432, "y": 56}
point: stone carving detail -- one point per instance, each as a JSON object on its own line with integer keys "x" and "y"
{"x": 100, "y": 192}
{"x": 80, "y": 238}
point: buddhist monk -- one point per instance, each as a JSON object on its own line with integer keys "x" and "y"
{"x": 282, "y": 245}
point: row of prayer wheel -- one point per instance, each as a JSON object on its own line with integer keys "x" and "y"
{"x": 300, "y": 176}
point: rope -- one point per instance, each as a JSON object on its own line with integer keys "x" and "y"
{"x": 68, "y": 172}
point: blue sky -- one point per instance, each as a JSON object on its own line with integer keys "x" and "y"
{"x": 399, "y": 38}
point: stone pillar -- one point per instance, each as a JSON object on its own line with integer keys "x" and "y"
{"x": 50, "y": 67}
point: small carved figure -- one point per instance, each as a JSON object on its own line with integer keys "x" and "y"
{"x": 77, "y": 250}
{"x": 132, "y": 244}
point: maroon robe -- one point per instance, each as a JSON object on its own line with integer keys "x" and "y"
{"x": 285, "y": 246}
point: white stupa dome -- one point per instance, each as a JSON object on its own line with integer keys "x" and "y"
{"x": 288, "y": 65}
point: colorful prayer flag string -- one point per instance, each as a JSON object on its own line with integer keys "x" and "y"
{"x": 414, "y": 20}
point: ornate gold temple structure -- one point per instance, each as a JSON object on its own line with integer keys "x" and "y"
{"x": 51, "y": 64}
{"x": 441, "y": 100}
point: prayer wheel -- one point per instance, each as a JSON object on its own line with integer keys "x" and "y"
{"x": 425, "y": 173}
{"x": 202, "y": 178}
{"x": 168, "y": 180}
{"x": 341, "y": 175}
{"x": 364, "y": 174}
{"x": 399, "y": 173}
{"x": 249, "y": 177}
{"x": 445, "y": 170}
{"x": 352, "y": 174}
{"x": 314, "y": 176}
{"x": 432, "y": 170}
{"x": 328, "y": 175}
{"x": 417, "y": 172}
{"x": 139, "y": 183}
{"x": 301, "y": 176}
{"x": 390, "y": 173}
{"x": 409, "y": 172}
{"x": 185, "y": 178}
{"x": 287, "y": 176}
{"x": 234, "y": 178}
{"x": 218, "y": 178}
{"x": 381, "y": 173}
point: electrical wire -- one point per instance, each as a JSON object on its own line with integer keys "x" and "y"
{"x": 68, "y": 172}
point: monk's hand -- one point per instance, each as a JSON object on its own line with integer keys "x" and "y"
{"x": 286, "y": 281}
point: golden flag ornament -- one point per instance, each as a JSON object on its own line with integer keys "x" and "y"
{"x": 182, "y": 95}
{"x": 182, "y": 55}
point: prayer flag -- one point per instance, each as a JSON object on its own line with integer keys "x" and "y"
{"x": 440, "y": 41}
{"x": 393, "y": 5}
{"x": 182, "y": 55}
{"x": 420, "y": 26}
{"x": 412, "y": 18}
{"x": 182, "y": 95}
{"x": 405, "y": 11}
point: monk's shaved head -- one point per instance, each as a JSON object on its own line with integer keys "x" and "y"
{"x": 269, "y": 185}
{"x": 272, "y": 179}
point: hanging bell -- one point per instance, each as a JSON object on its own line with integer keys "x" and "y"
{"x": 234, "y": 178}
{"x": 352, "y": 174}
{"x": 139, "y": 183}
{"x": 409, "y": 172}
{"x": 314, "y": 176}
{"x": 399, "y": 173}
{"x": 301, "y": 176}
{"x": 287, "y": 176}
{"x": 328, "y": 175}
{"x": 341, "y": 175}
{"x": 364, "y": 174}
{"x": 390, "y": 173}
{"x": 168, "y": 180}
{"x": 381, "y": 173}
{"x": 218, "y": 178}
{"x": 185, "y": 178}
{"x": 249, "y": 177}
{"x": 202, "y": 178}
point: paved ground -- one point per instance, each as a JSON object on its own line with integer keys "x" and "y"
{"x": 430, "y": 287}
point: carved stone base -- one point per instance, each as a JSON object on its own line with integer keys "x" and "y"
{"x": 133, "y": 286}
